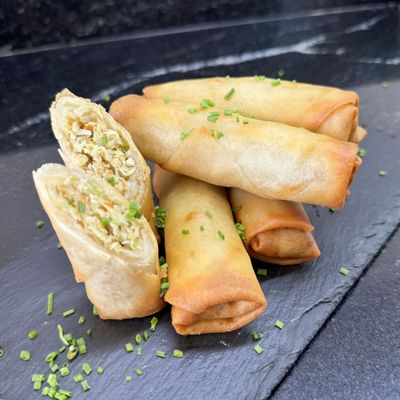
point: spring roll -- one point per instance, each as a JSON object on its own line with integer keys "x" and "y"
{"x": 91, "y": 140}
{"x": 109, "y": 243}
{"x": 213, "y": 287}
{"x": 321, "y": 109}
{"x": 268, "y": 159}
{"x": 276, "y": 231}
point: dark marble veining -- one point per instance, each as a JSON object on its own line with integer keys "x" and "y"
{"x": 350, "y": 49}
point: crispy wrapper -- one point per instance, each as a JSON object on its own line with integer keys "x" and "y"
{"x": 213, "y": 287}
{"x": 68, "y": 108}
{"x": 268, "y": 159}
{"x": 123, "y": 284}
{"x": 322, "y": 109}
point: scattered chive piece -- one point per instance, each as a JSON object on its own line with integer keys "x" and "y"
{"x": 138, "y": 371}
{"x": 275, "y": 82}
{"x": 37, "y": 385}
{"x": 185, "y": 231}
{"x": 258, "y": 349}
{"x": 208, "y": 214}
{"x": 104, "y": 140}
{"x": 25, "y": 355}
{"x": 362, "y": 153}
{"x": 68, "y": 337}
{"x": 138, "y": 351}
{"x": 201, "y": 228}
{"x": 68, "y": 312}
{"x": 129, "y": 347}
{"x": 72, "y": 352}
{"x": 81, "y": 345}
{"x": 59, "y": 246}
{"x": 95, "y": 311}
{"x": 162, "y": 260}
{"x": 213, "y": 116}
{"x": 81, "y": 320}
{"x": 166, "y": 99}
{"x": 146, "y": 335}
{"x": 164, "y": 285}
{"x": 281, "y": 73}
{"x": 52, "y": 381}
{"x": 221, "y": 235}
{"x": 85, "y": 385}
{"x": 161, "y": 354}
{"x": 227, "y": 111}
{"x": 385, "y": 85}
{"x": 259, "y": 78}
{"x": 61, "y": 335}
{"x": 382, "y": 173}
{"x": 78, "y": 378}
{"x": 89, "y": 331}
{"x": 40, "y": 224}
{"x": 45, "y": 391}
{"x": 52, "y": 393}
{"x": 61, "y": 349}
{"x": 262, "y": 271}
{"x": 241, "y": 230}
{"x": 256, "y": 336}
{"x": 279, "y": 324}
{"x": 51, "y": 356}
{"x": 64, "y": 371}
{"x": 344, "y": 271}
{"x": 70, "y": 201}
{"x": 216, "y": 134}
{"x": 81, "y": 207}
{"x": 153, "y": 323}
{"x": 177, "y": 353}
{"x": 138, "y": 338}
{"x": 185, "y": 134}
{"x": 205, "y": 103}
{"x": 66, "y": 393}
{"x": 229, "y": 94}
{"x": 107, "y": 98}
{"x": 50, "y": 301}
{"x": 1, "y": 352}
{"x": 100, "y": 370}
{"x": 38, "y": 377}
{"x": 128, "y": 378}
{"x": 32, "y": 335}
{"x": 192, "y": 110}
{"x": 111, "y": 181}
{"x": 236, "y": 209}
{"x": 161, "y": 214}
{"x": 134, "y": 210}
{"x": 86, "y": 368}
{"x": 245, "y": 121}
{"x": 54, "y": 368}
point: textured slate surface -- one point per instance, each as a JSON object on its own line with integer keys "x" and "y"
{"x": 350, "y": 49}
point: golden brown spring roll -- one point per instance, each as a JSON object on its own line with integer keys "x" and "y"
{"x": 268, "y": 159}
{"x": 109, "y": 243}
{"x": 91, "y": 140}
{"x": 277, "y": 231}
{"x": 213, "y": 287}
{"x": 321, "y": 109}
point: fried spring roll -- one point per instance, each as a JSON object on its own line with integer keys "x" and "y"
{"x": 321, "y": 109}
{"x": 91, "y": 140}
{"x": 277, "y": 232}
{"x": 268, "y": 159}
{"x": 110, "y": 245}
{"x": 213, "y": 287}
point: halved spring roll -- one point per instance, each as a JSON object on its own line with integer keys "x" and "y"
{"x": 91, "y": 140}
{"x": 265, "y": 158}
{"x": 109, "y": 243}
{"x": 213, "y": 287}
{"x": 321, "y": 109}
{"x": 277, "y": 232}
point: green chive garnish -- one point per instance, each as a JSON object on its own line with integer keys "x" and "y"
{"x": 344, "y": 271}
{"x": 54, "y": 368}
{"x": 61, "y": 335}
{"x": 281, "y": 73}
{"x": 70, "y": 201}
{"x": 138, "y": 371}
{"x": 146, "y": 335}
{"x": 166, "y": 99}
{"x": 185, "y": 134}
{"x": 78, "y": 378}
{"x": 89, "y": 331}
{"x": 208, "y": 214}
{"x": 192, "y": 110}
{"x": 40, "y": 224}
{"x": 229, "y": 94}
{"x": 37, "y": 385}
{"x": 164, "y": 285}
{"x": 81, "y": 207}
{"x": 134, "y": 212}
{"x": 213, "y": 116}
{"x": 138, "y": 351}
{"x": 162, "y": 260}
{"x": 245, "y": 121}
{"x": 262, "y": 271}
{"x": 81, "y": 320}
{"x": 104, "y": 140}
{"x": 68, "y": 337}
{"x": 52, "y": 393}
{"x": 275, "y": 82}
{"x": 216, "y": 134}
{"x": 161, "y": 214}
{"x": 68, "y": 312}
{"x": 32, "y": 335}
{"x": 50, "y": 301}
{"x": 227, "y": 111}
{"x": 161, "y": 354}
{"x": 65, "y": 393}
{"x": 1, "y": 352}
{"x": 153, "y": 323}
{"x": 64, "y": 371}
{"x": 258, "y": 349}
{"x": 107, "y": 98}
{"x": 185, "y": 231}
{"x": 201, "y": 228}
{"x": 177, "y": 353}
{"x": 45, "y": 391}
{"x": 100, "y": 370}
{"x": 138, "y": 338}
{"x": 111, "y": 181}
{"x": 221, "y": 235}
{"x": 61, "y": 349}
{"x": 86, "y": 368}
{"x": 205, "y": 103}
{"x": 362, "y": 153}
{"x": 385, "y": 85}
{"x": 95, "y": 311}
{"x": 382, "y": 173}
{"x": 259, "y": 78}
{"x": 129, "y": 347}
{"x": 59, "y": 246}
{"x": 241, "y": 230}
{"x": 279, "y": 324}
{"x": 51, "y": 356}
{"x": 25, "y": 355}
{"x": 85, "y": 385}
{"x": 236, "y": 209}
{"x": 38, "y": 377}
{"x": 52, "y": 381}
{"x": 256, "y": 336}
{"x": 128, "y": 378}
{"x": 72, "y": 352}
{"x": 80, "y": 342}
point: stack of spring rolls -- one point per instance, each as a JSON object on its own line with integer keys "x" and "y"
{"x": 236, "y": 159}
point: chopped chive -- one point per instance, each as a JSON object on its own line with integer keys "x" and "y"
{"x": 138, "y": 371}
{"x": 227, "y": 111}
{"x": 78, "y": 378}
{"x": 61, "y": 349}
{"x": 111, "y": 181}
{"x": 38, "y": 377}
{"x": 95, "y": 311}
{"x": 70, "y": 201}
{"x": 153, "y": 323}
{"x": 237, "y": 119}
{"x": 81, "y": 345}
{"x": 138, "y": 351}
{"x": 146, "y": 335}
{"x": 208, "y": 214}
{"x": 161, "y": 214}
{"x": 246, "y": 121}
{"x": 52, "y": 381}
{"x": 236, "y": 209}
{"x": 344, "y": 271}
{"x": 205, "y": 103}
{"x": 128, "y": 347}
{"x": 385, "y": 85}
{"x": 221, "y": 235}
{"x": 54, "y": 368}
{"x": 104, "y": 140}
{"x": 32, "y": 335}
{"x": 40, "y": 224}
{"x": 66, "y": 393}
{"x": 161, "y": 354}
{"x": 68, "y": 312}
{"x": 229, "y": 94}
{"x": 128, "y": 378}
{"x": 86, "y": 368}
{"x": 241, "y": 230}
{"x": 258, "y": 349}
{"x": 64, "y": 371}
{"x": 37, "y": 385}
{"x": 162, "y": 260}
{"x": 61, "y": 335}
{"x": 85, "y": 385}
{"x": 216, "y": 134}
{"x": 201, "y": 228}
{"x": 59, "y": 246}
{"x": 279, "y": 324}
{"x": 256, "y": 336}
{"x": 52, "y": 393}
{"x": 100, "y": 370}
{"x": 72, "y": 352}
{"x": 192, "y": 110}
{"x": 177, "y": 353}
{"x": 81, "y": 207}
{"x": 51, "y": 356}
{"x": 281, "y": 73}
{"x": 138, "y": 338}
{"x": 45, "y": 391}
{"x": 213, "y": 116}
{"x": 107, "y": 98}
{"x": 164, "y": 285}
{"x": 185, "y": 134}
{"x": 166, "y": 99}
{"x": 362, "y": 153}
{"x": 68, "y": 337}
{"x": 382, "y": 173}
{"x": 185, "y": 231}
{"x": 25, "y": 355}
{"x": 262, "y": 271}
{"x": 133, "y": 210}
{"x": 259, "y": 78}
{"x": 1, "y": 352}
{"x": 81, "y": 320}
{"x": 50, "y": 301}
{"x": 276, "y": 82}
{"x": 89, "y": 331}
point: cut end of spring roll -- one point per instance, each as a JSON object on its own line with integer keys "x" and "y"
{"x": 213, "y": 287}
{"x": 110, "y": 245}
{"x": 277, "y": 231}
{"x": 358, "y": 135}
{"x": 91, "y": 140}
{"x": 268, "y": 159}
{"x": 321, "y": 109}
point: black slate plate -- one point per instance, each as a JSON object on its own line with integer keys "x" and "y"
{"x": 214, "y": 366}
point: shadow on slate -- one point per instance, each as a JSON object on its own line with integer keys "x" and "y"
{"x": 214, "y": 366}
